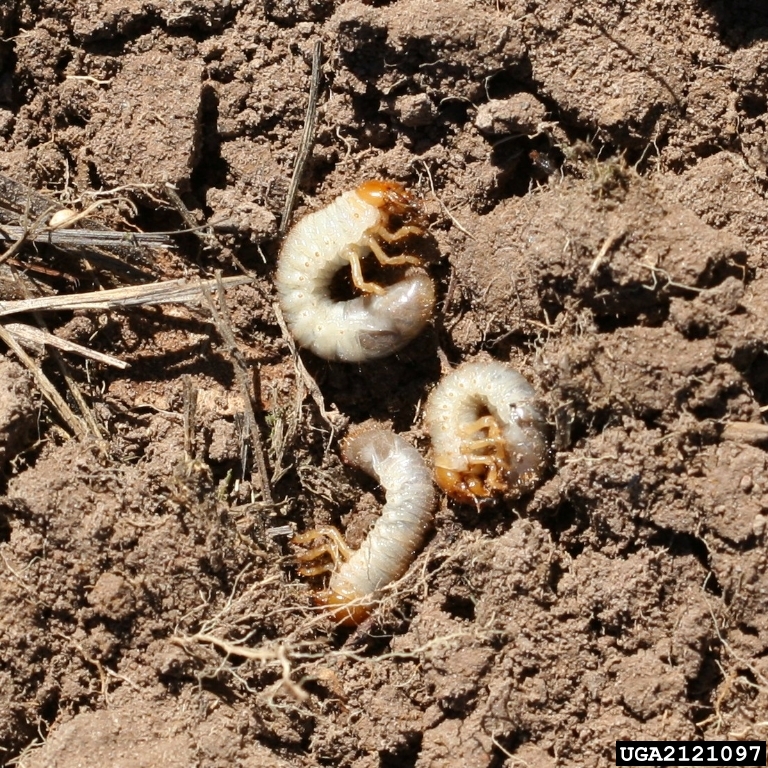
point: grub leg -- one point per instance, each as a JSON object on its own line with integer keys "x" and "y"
{"x": 389, "y": 261}
{"x": 357, "y": 274}
{"x": 399, "y": 234}
{"x": 334, "y": 547}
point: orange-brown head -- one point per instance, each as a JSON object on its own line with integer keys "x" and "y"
{"x": 392, "y": 199}
{"x": 464, "y": 487}
{"x": 480, "y": 482}
{"x": 348, "y": 610}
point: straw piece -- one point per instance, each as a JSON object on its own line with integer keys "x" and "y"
{"x": 180, "y": 291}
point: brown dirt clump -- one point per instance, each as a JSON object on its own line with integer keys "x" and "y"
{"x": 595, "y": 179}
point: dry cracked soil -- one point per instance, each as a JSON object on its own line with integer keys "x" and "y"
{"x": 595, "y": 178}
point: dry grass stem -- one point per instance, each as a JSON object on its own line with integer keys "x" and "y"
{"x": 71, "y": 238}
{"x": 201, "y": 232}
{"x": 46, "y": 388}
{"x": 181, "y": 291}
{"x": 25, "y": 216}
{"x": 74, "y": 389}
{"x": 245, "y": 377}
{"x": 334, "y": 419}
{"x": 15, "y": 335}
{"x": 190, "y": 415}
{"x": 36, "y": 338}
{"x": 307, "y": 138}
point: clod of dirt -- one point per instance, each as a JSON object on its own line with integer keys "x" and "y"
{"x": 456, "y": 742}
{"x": 162, "y": 131}
{"x": 415, "y": 110}
{"x": 232, "y": 212}
{"x": 456, "y": 43}
{"x": 595, "y": 63}
{"x": 296, "y": 11}
{"x": 102, "y": 736}
{"x": 112, "y": 597}
{"x": 731, "y": 489}
{"x": 106, "y": 19}
{"x": 140, "y": 734}
{"x": 647, "y": 685}
{"x": 615, "y": 256}
{"x": 641, "y": 383}
{"x": 519, "y": 114}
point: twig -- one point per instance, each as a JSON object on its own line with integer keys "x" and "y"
{"x": 332, "y": 419}
{"x": 86, "y": 237}
{"x": 745, "y": 432}
{"x": 612, "y": 240}
{"x": 224, "y": 326}
{"x": 201, "y": 232}
{"x": 46, "y": 388}
{"x": 169, "y": 292}
{"x": 34, "y": 338}
{"x": 307, "y": 138}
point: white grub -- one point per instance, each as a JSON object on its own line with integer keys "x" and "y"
{"x": 488, "y": 438}
{"x": 384, "y": 318}
{"x": 396, "y": 538}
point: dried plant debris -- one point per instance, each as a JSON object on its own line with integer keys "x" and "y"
{"x": 26, "y": 216}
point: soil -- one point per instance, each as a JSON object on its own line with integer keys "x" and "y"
{"x": 595, "y": 177}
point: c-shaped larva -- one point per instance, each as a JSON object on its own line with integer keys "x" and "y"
{"x": 396, "y": 538}
{"x": 385, "y": 318}
{"x": 488, "y": 438}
